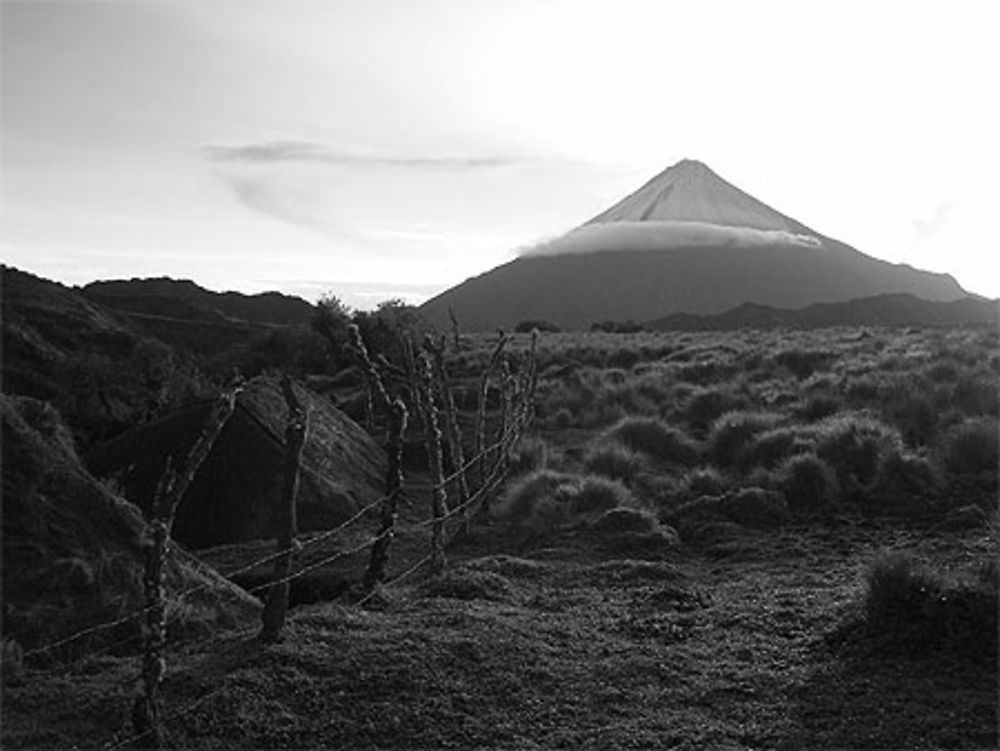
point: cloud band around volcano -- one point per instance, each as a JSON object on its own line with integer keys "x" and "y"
{"x": 664, "y": 235}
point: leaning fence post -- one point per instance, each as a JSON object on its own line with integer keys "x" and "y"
{"x": 146, "y": 708}
{"x": 276, "y": 607}
{"x": 439, "y": 497}
{"x": 169, "y": 491}
{"x": 393, "y": 486}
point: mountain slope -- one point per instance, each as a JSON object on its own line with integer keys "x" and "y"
{"x": 687, "y": 241}
{"x": 881, "y": 310}
{"x": 691, "y": 192}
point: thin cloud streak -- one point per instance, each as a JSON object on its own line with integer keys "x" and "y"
{"x": 276, "y": 152}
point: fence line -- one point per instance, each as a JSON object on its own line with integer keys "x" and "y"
{"x": 270, "y": 557}
{"x": 516, "y": 405}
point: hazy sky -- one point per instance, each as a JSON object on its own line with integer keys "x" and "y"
{"x": 378, "y": 148}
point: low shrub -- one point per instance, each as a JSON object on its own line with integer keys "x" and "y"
{"x": 545, "y": 498}
{"x": 733, "y": 431}
{"x": 523, "y": 498}
{"x": 529, "y": 454}
{"x": 818, "y": 406}
{"x": 654, "y": 438}
{"x": 808, "y": 482}
{"x": 599, "y": 494}
{"x": 970, "y": 447}
{"x": 854, "y": 445}
{"x": 903, "y": 473}
{"x": 802, "y": 363}
{"x": 975, "y": 395}
{"x": 750, "y": 507}
{"x": 619, "y": 520}
{"x": 703, "y": 481}
{"x": 707, "y": 405}
{"x": 614, "y": 461}
{"x": 771, "y": 447}
{"x": 910, "y": 609}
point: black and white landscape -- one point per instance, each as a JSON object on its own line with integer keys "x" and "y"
{"x": 330, "y": 420}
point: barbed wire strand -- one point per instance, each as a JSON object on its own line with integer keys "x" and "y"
{"x": 504, "y": 439}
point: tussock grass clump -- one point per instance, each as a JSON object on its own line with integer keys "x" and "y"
{"x": 771, "y": 447}
{"x": 808, "y": 482}
{"x": 733, "y": 432}
{"x": 654, "y": 438}
{"x": 524, "y": 497}
{"x": 750, "y": 507}
{"x": 903, "y": 473}
{"x": 855, "y": 445}
{"x": 707, "y": 405}
{"x": 703, "y": 481}
{"x": 545, "y": 498}
{"x": 614, "y": 461}
{"x": 620, "y": 520}
{"x": 600, "y": 494}
{"x": 909, "y": 608}
{"x": 976, "y": 394}
{"x": 970, "y": 447}
{"x": 531, "y": 453}
{"x": 818, "y": 406}
{"x": 802, "y": 363}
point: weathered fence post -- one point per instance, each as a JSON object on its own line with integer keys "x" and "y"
{"x": 146, "y": 709}
{"x": 451, "y": 422}
{"x": 371, "y": 374}
{"x": 169, "y": 491}
{"x": 507, "y": 428}
{"x": 276, "y": 607}
{"x": 456, "y": 339}
{"x": 439, "y": 497}
{"x": 393, "y": 486}
{"x": 484, "y": 385}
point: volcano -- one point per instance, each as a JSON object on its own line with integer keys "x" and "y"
{"x": 685, "y": 242}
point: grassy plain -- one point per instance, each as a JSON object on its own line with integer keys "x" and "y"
{"x": 742, "y": 540}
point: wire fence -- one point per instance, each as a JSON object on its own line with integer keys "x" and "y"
{"x": 487, "y": 467}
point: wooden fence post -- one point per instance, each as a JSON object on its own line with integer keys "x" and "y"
{"x": 375, "y": 572}
{"x": 456, "y": 339}
{"x": 169, "y": 491}
{"x": 276, "y": 607}
{"x": 484, "y": 384}
{"x": 439, "y": 497}
{"x": 451, "y": 422}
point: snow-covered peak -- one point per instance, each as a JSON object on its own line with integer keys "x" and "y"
{"x": 690, "y": 191}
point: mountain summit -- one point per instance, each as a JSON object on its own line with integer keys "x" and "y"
{"x": 690, "y": 191}
{"x": 685, "y": 242}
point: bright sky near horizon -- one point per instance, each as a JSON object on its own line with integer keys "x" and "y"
{"x": 392, "y": 148}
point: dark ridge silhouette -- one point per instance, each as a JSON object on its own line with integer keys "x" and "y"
{"x": 880, "y": 310}
{"x": 686, "y": 242}
{"x": 234, "y": 495}
{"x": 182, "y": 298}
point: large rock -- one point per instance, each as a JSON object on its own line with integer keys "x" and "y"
{"x": 234, "y": 496}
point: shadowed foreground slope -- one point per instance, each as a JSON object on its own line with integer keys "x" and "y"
{"x": 73, "y": 553}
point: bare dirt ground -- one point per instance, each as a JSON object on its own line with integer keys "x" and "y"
{"x": 559, "y": 644}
